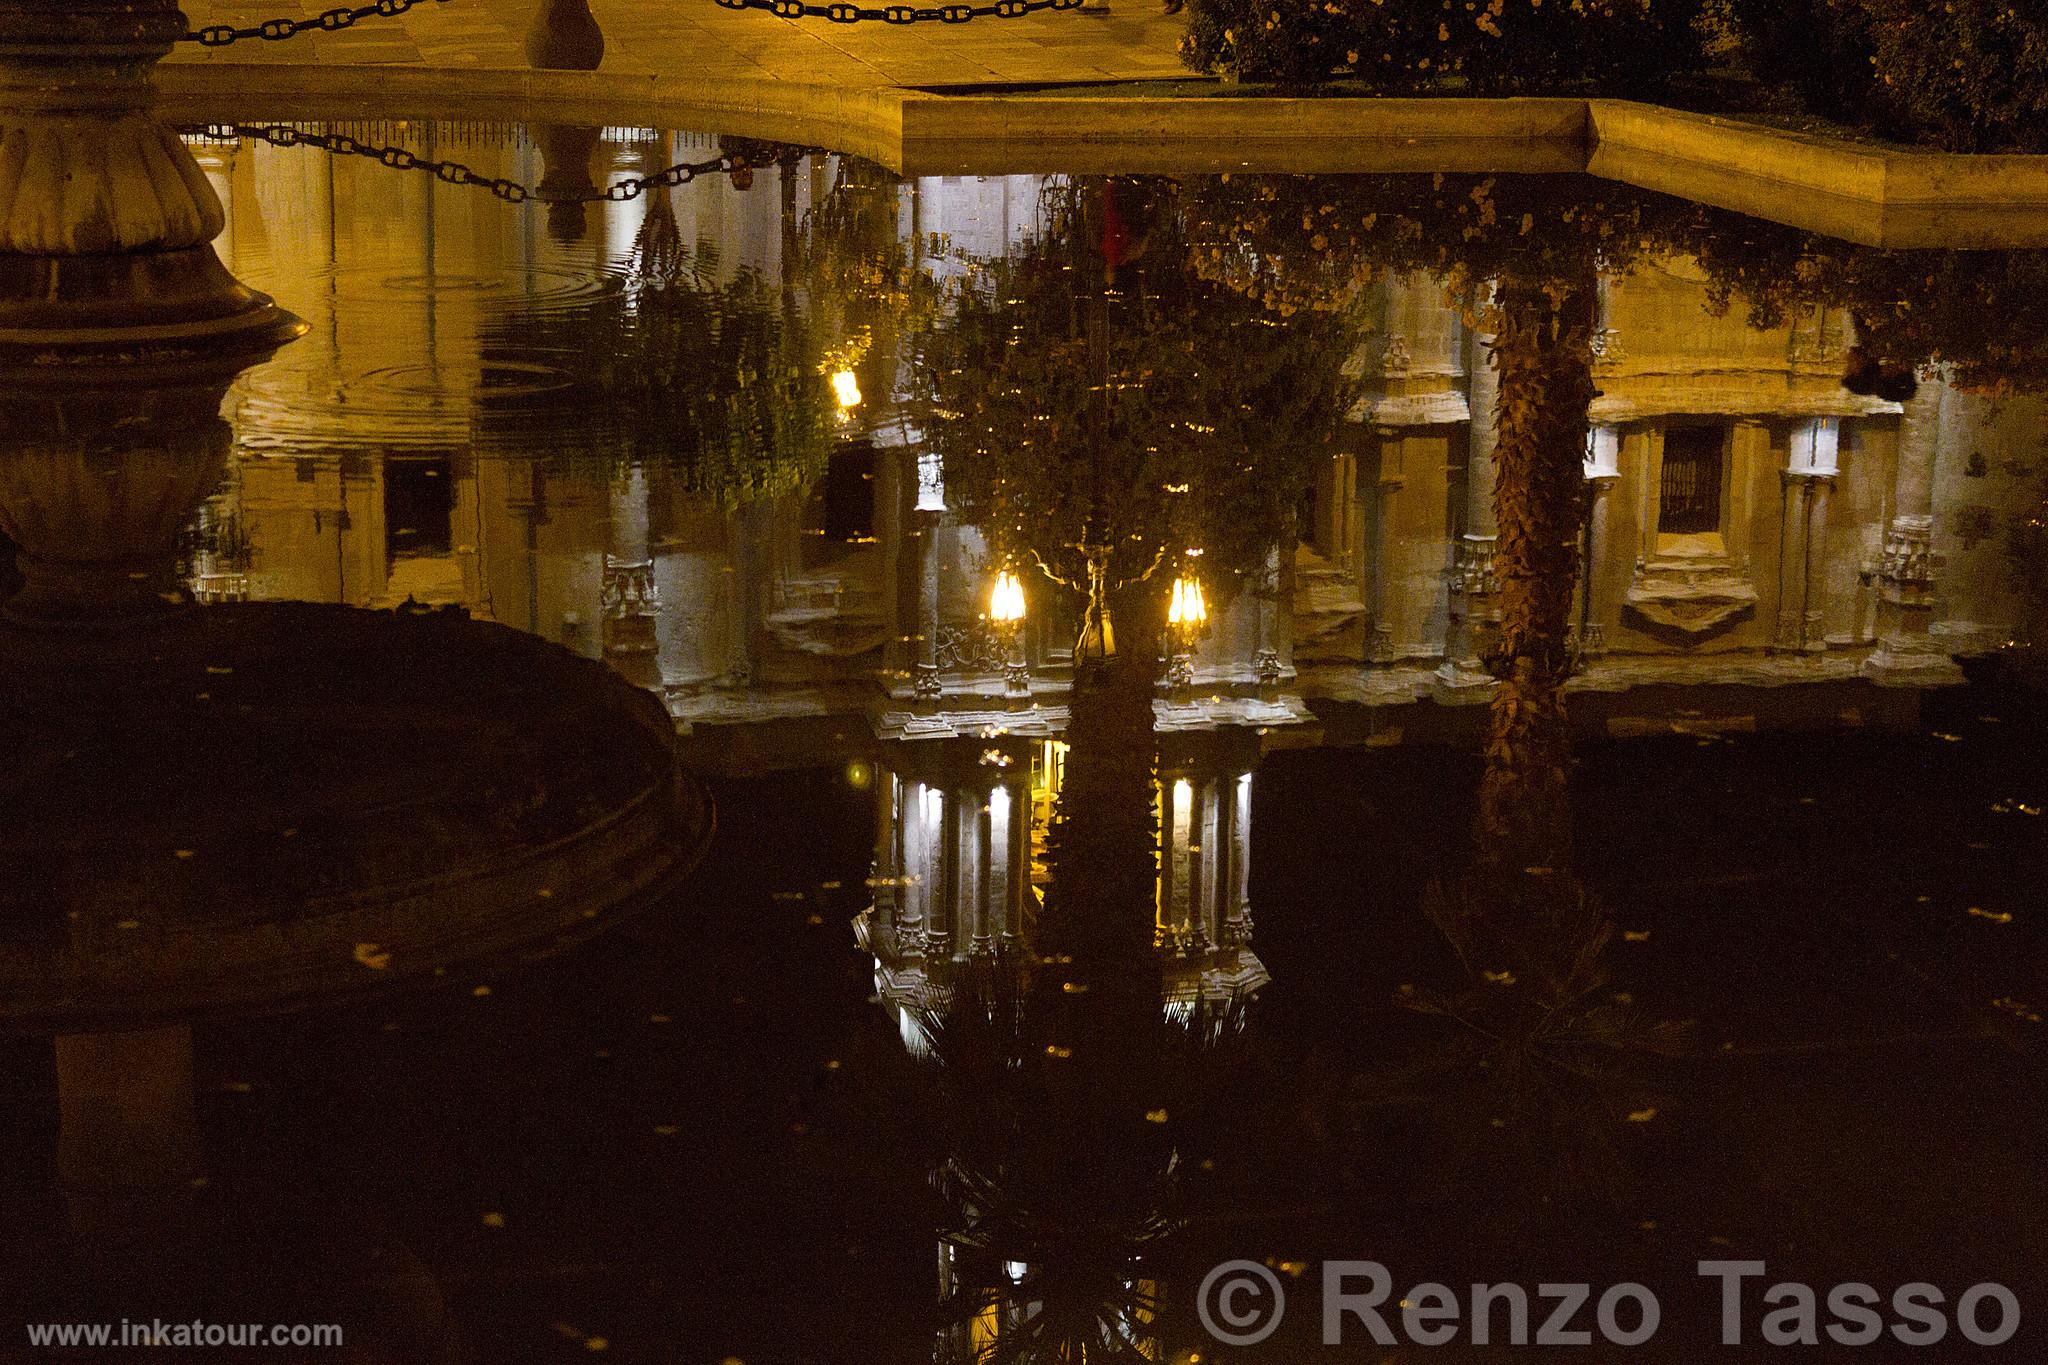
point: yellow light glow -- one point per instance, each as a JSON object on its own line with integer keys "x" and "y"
{"x": 1187, "y": 607}
{"x": 1006, "y": 599}
{"x": 846, "y": 389}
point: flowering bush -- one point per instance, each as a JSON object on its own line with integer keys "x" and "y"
{"x": 1971, "y": 75}
{"x": 1486, "y": 47}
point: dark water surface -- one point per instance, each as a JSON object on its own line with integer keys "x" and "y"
{"x": 1019, "y": 986}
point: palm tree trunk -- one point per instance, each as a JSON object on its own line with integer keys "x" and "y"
{"x": 1542, "y": 350}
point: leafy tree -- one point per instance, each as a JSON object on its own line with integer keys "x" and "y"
{"x": 1524, "y": 263}
{"x": 1091, "y": 388}
{"x": 1490, "y": 47}
{"x": 859, "y": 272}
{"x": 1970, "y": 75}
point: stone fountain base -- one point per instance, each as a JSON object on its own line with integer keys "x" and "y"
{"x": 266, "y": 806}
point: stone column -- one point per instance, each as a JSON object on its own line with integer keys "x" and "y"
{"x": 1380, "y": 559}
{"x": 913, "y": 889}
{"x": 753, "y": 531}
{"x": 1813, "y": 625}
{"x": 888, "y": 853}
{"x": 1236, "y": 928}
{"x": 692, "y": 565}
{"x": 924, "y": 681}
{"x": 1603, "y": 472}
{"x": 1793, "y": 559}
{"x": 1471, "y": 582}
{"x": 1009, "y": 858}
{"x": 627, "y": 593}
{"x": 1906, "y": 654}
{"x": 918, "y": 814}
{"x": 1809, "y": 476}
{"x": 928, "y": 517}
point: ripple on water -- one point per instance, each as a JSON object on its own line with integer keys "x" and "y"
{"x": 342, "y": 387}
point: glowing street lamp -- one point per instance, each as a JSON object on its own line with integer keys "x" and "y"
{"x": 1186, "y": 615}
{"x": 846, "y": 390}
{"x": 1006, "y": 614}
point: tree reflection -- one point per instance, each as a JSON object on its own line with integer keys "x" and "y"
{"x": 1079, "y": 1104}
{"x": 1100, "y": 409}
{"x": 689, "y": 363}
{"x": 1535, "y": 1074}
{"x": 1092, "y": 389}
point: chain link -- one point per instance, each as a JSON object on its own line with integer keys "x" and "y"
{"x": 841, "y": 12}
{"x": 277, "y": 30}
{"x": 511, "y": 191}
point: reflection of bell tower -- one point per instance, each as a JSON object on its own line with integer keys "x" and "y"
{"x": 956, "y": 829}
{"x": 1204, "y": 928}
{"x": 959, "y": 860}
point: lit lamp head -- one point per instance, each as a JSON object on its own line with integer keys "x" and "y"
{"x": 1006, "y": 613}
{"x": 1185, "y": 614}
{"x": 1006, "y": 600}
{"x": 846, "y": 390}
{"x": 1186, "y": 610}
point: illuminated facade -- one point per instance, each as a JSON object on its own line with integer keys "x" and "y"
{"x": 1751, "y": 522}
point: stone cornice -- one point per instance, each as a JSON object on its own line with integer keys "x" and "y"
{"x": 1860, "y": 191}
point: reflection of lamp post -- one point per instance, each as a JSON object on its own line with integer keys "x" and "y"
{"x": 846, "y": 390}
{"x": 1186, "y": 614}
{"x": 1006, "y": 614}
{"x": 1097, "y": 641}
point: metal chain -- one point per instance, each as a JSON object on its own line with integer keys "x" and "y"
{"x": 844, "y": 13}
{"x": 344, "y": 16}
{"x": 455, "y": 173}
{"x": 277, "y": 30}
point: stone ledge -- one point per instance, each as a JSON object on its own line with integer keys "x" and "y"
{"x": 864, "y": 121}
{"x": 1857, "y": 191}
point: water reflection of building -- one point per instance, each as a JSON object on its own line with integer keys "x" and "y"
{"x": 1752, "y": 521}
{"x": 960, "y": 861}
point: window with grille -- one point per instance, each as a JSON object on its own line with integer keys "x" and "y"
{"x": 1689, "y": 495}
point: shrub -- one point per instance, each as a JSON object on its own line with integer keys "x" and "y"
{"x": 1816, "y": 49}
{"x": 1485, "y": 47}
{"x": 1971, "y": 75}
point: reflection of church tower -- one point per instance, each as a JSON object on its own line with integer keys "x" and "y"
{"x": 956, "y": 825}
{"x": 1205, "y": 826}
{"x": 960, "y": 859}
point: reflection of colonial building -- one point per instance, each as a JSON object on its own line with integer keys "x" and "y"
{"x": 1751, "y": 521}
{"x": 961, "y": 825}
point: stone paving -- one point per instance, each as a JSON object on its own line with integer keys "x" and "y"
{"x": 1133, "y": 41}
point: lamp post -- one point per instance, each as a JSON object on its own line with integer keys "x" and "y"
{"x": 1006, "y": 614}
{"x": 1186, "y": 614}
